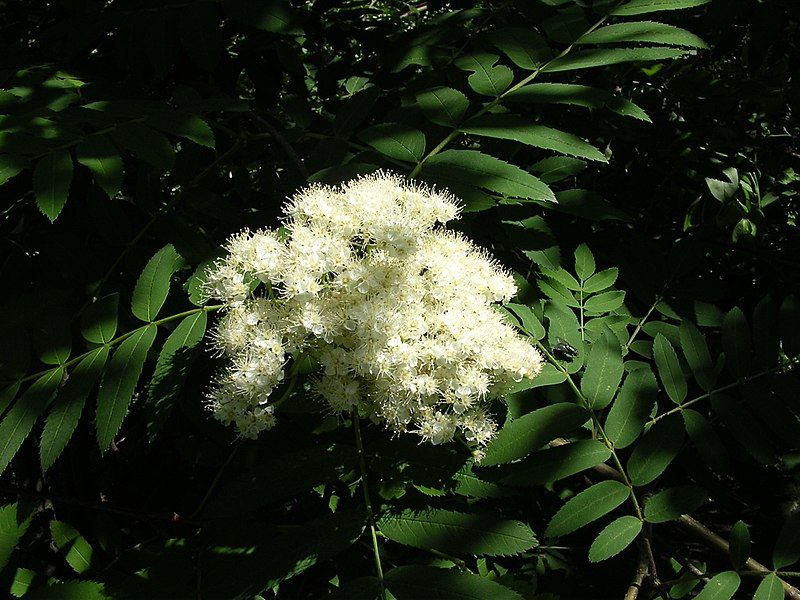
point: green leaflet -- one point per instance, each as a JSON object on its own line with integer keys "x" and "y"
{"x": 584, "y": 262}
{"x": 78, "y": 552}
{"x": 643, "y": 31}
{"x": 185, "y": 125}
{"x": 11, "y": 166}
{"x": 152, "y": 286}
{"x": 605, "y": 302}
{"x": 736, "y": 342}
{"x": 770, "y": 588}
{"x": 745, "y": 427}
{"x": 601, "y": 281}
{"x": 697, "y": 355}
{"x": 396, "y": 141}
{"x": 720, "y": 587}
{"x": 528, "y": 319}
{"x": 530, "y": 432}
{"x": 458, "y": 533}
{"x": 669, "y": 369}
{"x": 632, "y": 408}
{"x": 656, "y": 450}
{"x": 7, "y": 395}
{"x": 787, "y": 548}
{"x": 520, "y": 129}
{"x": 443, "y": 105}
{"x": 739, "y": 545}
{"x": 484, "y": 171}
{"x": 68, "y": 406}
{"x": 51, "y": 179}
{"x": 415, "y": 582}
{"x": 19, "y": 421}
{"x": 577, "y": 95}
{"x": 99, "y": 320}
{"x": 587, "y": 59}
{"x": 148, "y": 144}
{"x": 119, "y": 383}
{"x": 556, "y": 463}
{"x": 603, "y": 371}
{"x": 13, "y": 525}
{"x": 100, "y": 156}
{"x": 526, "y": 48}
{"x": 706, "y": 439}
{"x": 557, "y": 168}
{"x": 614, "y": 538}
{"x": 586, "y": 507}
{"x": 673, "y": 502}
{"x": 172, "y": 369}
{"x": 638, "y": 7}
{"x": 488, "y": 78}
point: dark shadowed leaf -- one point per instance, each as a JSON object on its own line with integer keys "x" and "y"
{"x": 68, "y": 406}
{"x": 656, "y": 450}
{"x": 556, "y": 463}
{"x": 673, "y": 502}
{"x": 51, "y": 179}
{"x": 697, "y": 355}
{"x": 632, "y": 408}
{"x": 19, "y": 421}
{"x": 415, "y": 582}
{"x": 530, "y": 432}
{"x": 739, "y": 545}
{"x": 172, "y": 368}
{"x": 736, "y": 342}
{"x": 101, "y": 157}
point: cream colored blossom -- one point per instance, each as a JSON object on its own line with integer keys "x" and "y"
{"x": 397, "y": 310}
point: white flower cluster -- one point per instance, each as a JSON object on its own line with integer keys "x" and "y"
{"x": 397, "y": 311}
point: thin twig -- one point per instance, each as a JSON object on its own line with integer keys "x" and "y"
{"x": 362, "y": 465}
{"x": 638, "y": 577}
{"x": 214, "y": 482}
{"x": 287, "y": 147}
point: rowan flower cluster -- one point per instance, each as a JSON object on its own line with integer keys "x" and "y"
{"x": 397, "y": 311}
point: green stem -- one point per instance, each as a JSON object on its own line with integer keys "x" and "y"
{"x": 125, "y": 336}
{"x": 362, "y": 465}
{"x": 490, "y": 105}
{"x": 598, "y": 426}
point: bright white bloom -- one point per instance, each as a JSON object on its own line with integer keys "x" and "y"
{"x": 397, "y": 311}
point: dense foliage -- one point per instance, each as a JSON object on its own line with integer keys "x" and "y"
{"x": 633, "y": 162}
